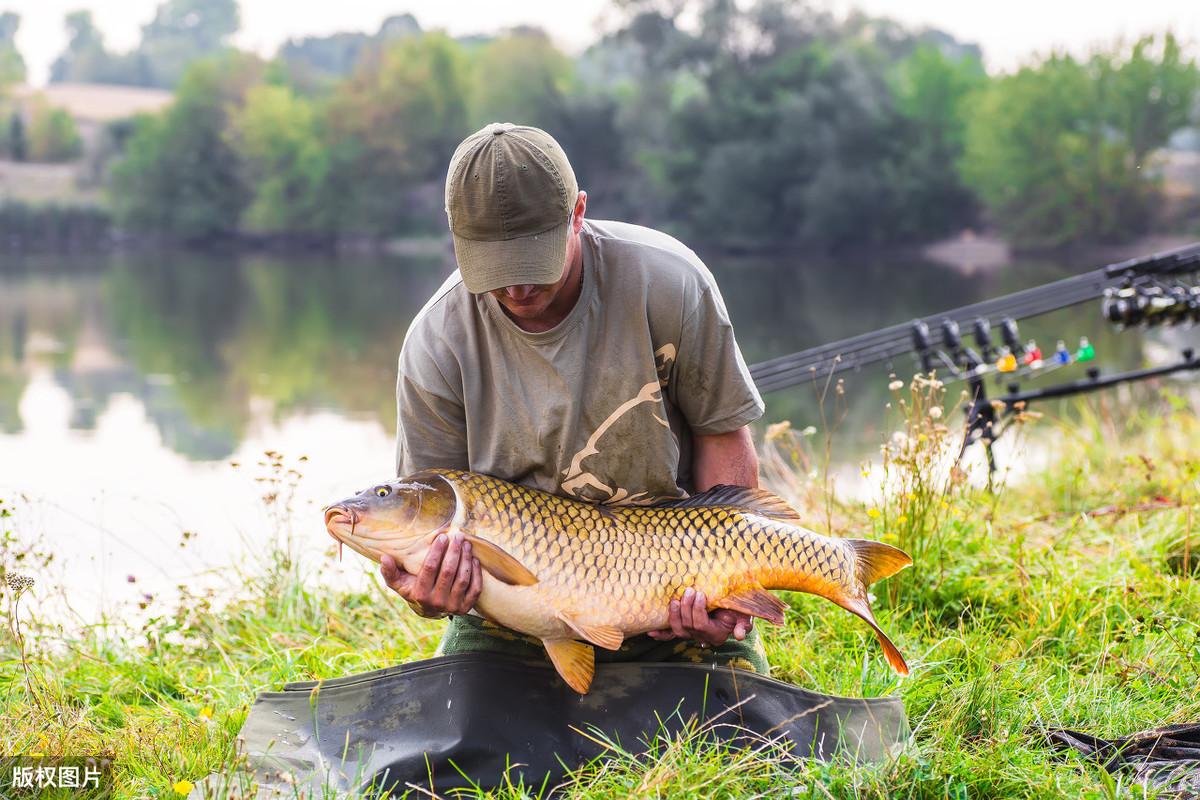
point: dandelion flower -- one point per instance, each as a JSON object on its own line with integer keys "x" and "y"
{"x": 873, "y": 513}
{"x": 903, "y": 518}
{"x": 205, "y": 713}
{"x": 182, "y": 787}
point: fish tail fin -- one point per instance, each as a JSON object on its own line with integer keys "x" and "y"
{"x": 876, "y": 560}
{"x": 890, "y": 651}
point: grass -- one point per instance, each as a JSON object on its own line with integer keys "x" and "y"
{"x": 1068, "y": 598}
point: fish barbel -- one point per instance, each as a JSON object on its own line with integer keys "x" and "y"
{"x": 576, "y": 575}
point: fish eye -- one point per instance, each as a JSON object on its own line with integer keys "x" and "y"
{"x": 382, "y": 491}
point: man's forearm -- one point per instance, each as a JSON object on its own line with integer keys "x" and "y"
{"x": 725, "y": 458}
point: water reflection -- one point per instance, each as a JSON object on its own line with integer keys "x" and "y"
{"x": 202, "y": 340}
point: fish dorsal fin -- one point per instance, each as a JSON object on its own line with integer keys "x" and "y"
{"x": 575, "y": 662}
{"x": 757, "y": 501}
{"x": 499, "y": 563}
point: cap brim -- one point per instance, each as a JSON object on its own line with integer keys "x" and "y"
{"x": 539, "y": 258}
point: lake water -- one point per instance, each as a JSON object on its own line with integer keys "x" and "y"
{"x": 138, "y": 393}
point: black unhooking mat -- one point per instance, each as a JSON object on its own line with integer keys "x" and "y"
{"x": 1167, "y": 759}
{"x": 444, "y": 723}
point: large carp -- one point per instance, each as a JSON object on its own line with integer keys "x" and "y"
{"x": 576, "y": 575}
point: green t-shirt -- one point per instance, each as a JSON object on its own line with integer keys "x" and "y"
{"x": 603, "y": 406}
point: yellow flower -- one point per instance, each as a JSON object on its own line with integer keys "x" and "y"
{"x": 945, "y": 505}
{"x": 205, "y": 713}
{"x": 903, "y": 518}
{"x": 873, "y": 513}
{"x": 910, "y": 497}
{"x": 182, "y": 787}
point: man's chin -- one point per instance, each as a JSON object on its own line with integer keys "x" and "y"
{"x": 525, "y": 312}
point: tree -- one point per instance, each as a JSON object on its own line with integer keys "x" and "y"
{"x": 931, "y": 89}
{"x": 180, "y": 175}
{"x": 314, "y": 62}
{"x": 52, "y": 135}
{"x": 87, "y": 60}
{"x": 183, "y": 31}
{"x": 12, "y": 65}
{"x": 276, "y": 137}
{"x": 520, "y": 77}
{"x": 17, "y": 146}
{"x": 391, "y": 129}
{"x": 769, "y": 122}
{"x": 1058, "y": 151}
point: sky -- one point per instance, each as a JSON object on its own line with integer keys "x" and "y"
{"x": 1010, "y": 32}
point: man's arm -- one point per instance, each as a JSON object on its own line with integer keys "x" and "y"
{"x": 727, "y": 458}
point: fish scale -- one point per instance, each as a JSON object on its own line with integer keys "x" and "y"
{"x": 576, "y": 574}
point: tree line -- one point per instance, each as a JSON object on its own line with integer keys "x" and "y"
{"x": 756, "y": 124}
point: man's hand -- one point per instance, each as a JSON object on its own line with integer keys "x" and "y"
{"x": 689, "y": 619}
{"x": 448, "y": 582}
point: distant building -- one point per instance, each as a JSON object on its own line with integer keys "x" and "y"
{"x": 93, "y": 105}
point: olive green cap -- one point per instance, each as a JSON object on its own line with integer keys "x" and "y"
{"x": 509, "y": 195}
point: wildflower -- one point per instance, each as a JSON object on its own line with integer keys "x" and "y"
{"x": 777, "y": 430}
{"x": 903, "y": 518}
{"x": 183, "y": 787}
{"x": 945, "y": 505}
{"x": 18, "y": 582}
{"x": 873, "y": 513}
{"x": 895, "y": 386}
{"x": 921, "y": 438}
{"x": 205, "y": 713}
{"x": 910, "y": 497}
{"x": 866, "y": 473}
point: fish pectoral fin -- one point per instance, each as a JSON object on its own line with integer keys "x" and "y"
{"x": 499, "y": 563}
{"x": 605, "y": 636}
{"x": 575, "y": 662}
{"x": 755, "y": 601}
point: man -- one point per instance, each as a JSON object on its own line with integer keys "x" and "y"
{"x": 590, "y": 359}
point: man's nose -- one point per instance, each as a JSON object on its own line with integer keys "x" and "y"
{"x": 521, "y": 292}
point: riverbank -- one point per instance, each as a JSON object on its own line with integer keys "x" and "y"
{"x": 1064, "y": 601}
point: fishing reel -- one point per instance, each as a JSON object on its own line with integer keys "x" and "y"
{"x": 1152, "y": 305}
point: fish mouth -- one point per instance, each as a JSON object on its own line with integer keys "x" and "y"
{"x": 341, "y": 520}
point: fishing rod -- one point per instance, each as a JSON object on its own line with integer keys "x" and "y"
{"x": 1154, "y": 290}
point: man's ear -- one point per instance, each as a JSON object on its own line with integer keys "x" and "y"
{"x": 580, "y": 210}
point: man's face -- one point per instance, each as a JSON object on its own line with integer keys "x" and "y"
{"x": 529, "y": 302}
